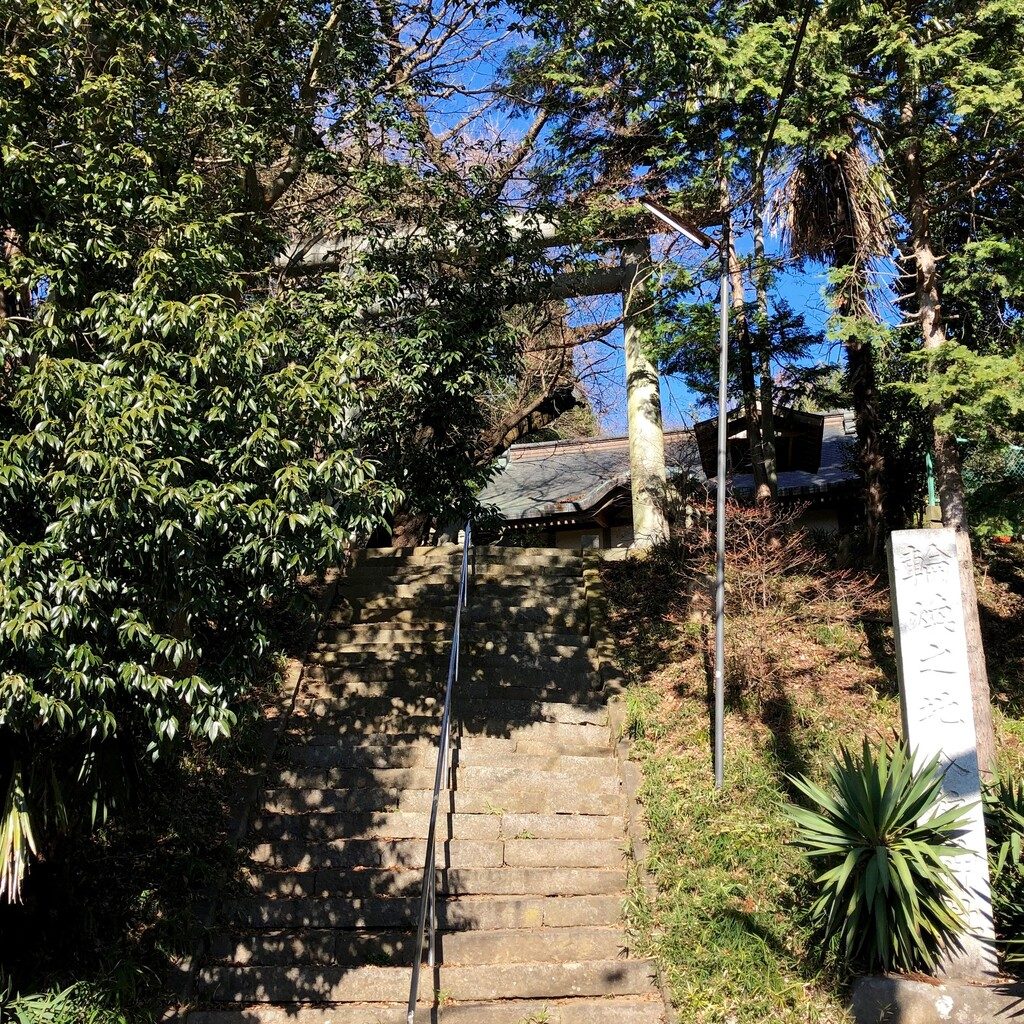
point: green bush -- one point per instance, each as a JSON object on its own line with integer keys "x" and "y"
{"x": 994, "y": 478}
{"x": 186, "y": 428}
{"x": 1004, "y": 827}
{"x": 888, "y": 898}
{"x": 103, "y": 1001}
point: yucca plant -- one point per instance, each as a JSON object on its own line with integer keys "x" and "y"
{"x": 1004, "y": 826}
{"x": 888, "y": 896}
{"x": 17, "y": 841}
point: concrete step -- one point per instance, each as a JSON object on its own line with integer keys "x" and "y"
{"x": 397, "y": 643}
{"x": 315, "y": 946}
{"x": 310, "y": 855}
{"x": 525, "y": 603}
{"x": 459, "y": 913}
{"x": 347, "y": 948}
{"x": 486, "y": 744}
{"x": 312, "y": 737}
{"x": 452, "y": 881}
{"x": 581, "y": 692}
{"x": 611, "y": 977}
{"x": 451, "y": 554}
{"x": 443, "y": 588}
{"x": 371, "y": 664}
{"x": 591, "y": 797}
{"x": 368, "y": 642}
{"x": 474, "y": 714}
{"x": 551, "y": 617}
{"x": 383, "y": 574}
{"x": 413, "y": 825}
{"x": 603, "y": 799}
{"x": 433, "y": 671}
{"x": 646, "y": 1009}
{"x": 475, "y": 771}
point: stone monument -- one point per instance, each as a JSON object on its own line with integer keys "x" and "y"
{"x": 938, "y": 716}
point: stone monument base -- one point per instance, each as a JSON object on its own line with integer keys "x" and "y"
{"x": 897, "y": 999}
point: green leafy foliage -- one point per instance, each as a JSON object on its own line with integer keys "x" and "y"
{"x": 189, "y": 419}
{"x": 1004, "y": 827}
{"x": 888, "y": 898}
{"x": 108, "y": 1000}
{"x": 994, "y": 478}
{"x": 684, "y": 339}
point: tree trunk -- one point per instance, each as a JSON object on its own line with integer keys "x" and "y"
{"x": 648, "y": 479}
{"x": 851, "y": 252}
{"x": 542, "y": 411}
{"x": 410, "y": 529}
{"x": 748, "y": 382}
{"x": 927, "y": 291}
{"x": 860, "y": 373}
{"x": 767, "y": 389}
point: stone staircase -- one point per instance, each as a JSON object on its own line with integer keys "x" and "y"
{"x": 532, "y": 869}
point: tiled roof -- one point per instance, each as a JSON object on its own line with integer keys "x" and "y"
{"x": 565, "y": 477}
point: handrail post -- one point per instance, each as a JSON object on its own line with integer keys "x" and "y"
{"x": 427, "y": 918}
{"x": 432, "y": 948}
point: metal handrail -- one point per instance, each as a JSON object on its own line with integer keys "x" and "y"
{"x": 428, "y": 892}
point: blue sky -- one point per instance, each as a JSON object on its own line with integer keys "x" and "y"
{"x": 802, "y": 289}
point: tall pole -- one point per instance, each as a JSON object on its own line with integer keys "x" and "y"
{"x": 675, "y": 222}
{"x": 723, "y": 411}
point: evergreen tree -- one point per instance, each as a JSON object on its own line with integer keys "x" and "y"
{"x": 837, "y": 215}
{"x": 246, "y": 309}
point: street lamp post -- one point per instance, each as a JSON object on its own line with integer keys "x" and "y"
{"x": 723, "y": 435}
{"x": 696, "y": 235}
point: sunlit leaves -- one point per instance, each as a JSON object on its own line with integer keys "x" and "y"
{"x": 184, "y": 428}
{"x": 173, "y": 449}
{"x": 17, "y": 840}
{"x": 887, "y": 895}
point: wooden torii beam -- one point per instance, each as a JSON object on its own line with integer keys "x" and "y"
{"x": 648, "y": 477}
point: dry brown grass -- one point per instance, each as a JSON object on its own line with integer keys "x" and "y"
{"x": 810, "y": 665}
{"x": 1001, "y": 601}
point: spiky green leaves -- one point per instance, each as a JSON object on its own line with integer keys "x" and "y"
{"x": 1004, "y": 828}
{"x": 17, "y": 841}
{"x": 888, "y": 898}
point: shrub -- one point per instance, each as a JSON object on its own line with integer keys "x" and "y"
{"x": 185, "y": 427}
{"x": 1004, "y": 826}
{"x": 772, "y": 560}
{"x": 103, "y": 1001}
{"x": 774, "y": 572}
{"x": 888, "y": 897}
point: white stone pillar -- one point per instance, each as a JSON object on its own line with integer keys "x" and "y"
{"x": 938, "y": 716}
{"x": 643, "y": 408}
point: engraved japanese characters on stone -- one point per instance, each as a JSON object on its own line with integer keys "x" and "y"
{"x": 937, "y": 658}
{"x": 934, "y": 612}
{"x": 938, "y": 713}
{"x": 942, "y": 706}
{"x": 925, "y": 561}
